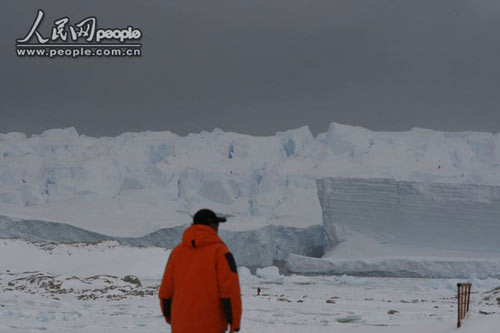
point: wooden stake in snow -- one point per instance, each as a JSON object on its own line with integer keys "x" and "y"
{"x": 463, "y": 301}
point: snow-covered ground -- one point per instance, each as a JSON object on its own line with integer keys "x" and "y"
{"x": 78, "y": 287}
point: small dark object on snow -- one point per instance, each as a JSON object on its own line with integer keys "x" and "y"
{"x": 331, "y": 301}
{"x": 391, "y": 312}
{"x": 258, "y": 291}
{"x": 349, "y": 319}
{"x": 133, "y": 279}
{"x": 485, "y": 313}
{"x": 282, "y": 299}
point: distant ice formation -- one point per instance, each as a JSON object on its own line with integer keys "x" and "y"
{"x": 381, "y": 194}
{"x": 137, "y": 183}
{"x": 252, "y": 248}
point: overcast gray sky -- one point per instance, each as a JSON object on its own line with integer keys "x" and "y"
{"x": 261, "y": 66}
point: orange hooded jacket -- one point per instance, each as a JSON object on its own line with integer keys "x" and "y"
{"x": 200, "y": 290}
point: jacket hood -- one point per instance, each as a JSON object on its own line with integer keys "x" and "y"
{"x": 199, "y": 235}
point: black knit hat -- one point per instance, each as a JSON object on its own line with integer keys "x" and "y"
{"x": 207, "y": 217}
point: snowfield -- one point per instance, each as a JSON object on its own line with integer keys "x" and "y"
{"x": 78, "y": 287}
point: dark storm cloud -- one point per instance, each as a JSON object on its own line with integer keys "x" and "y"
{"x": 260, "y": 66}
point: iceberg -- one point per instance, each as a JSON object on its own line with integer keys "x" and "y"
{"x": 386, "y": 227}
{"x": 459, "y": 217}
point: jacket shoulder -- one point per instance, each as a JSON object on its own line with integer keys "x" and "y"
{"x": 176, "y": 249}
{"x": 221, "y": 247}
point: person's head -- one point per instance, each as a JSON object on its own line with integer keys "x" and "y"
{"x": 209, "y": 218}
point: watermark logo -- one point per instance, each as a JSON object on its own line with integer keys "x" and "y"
{"x": 81, "y": 39}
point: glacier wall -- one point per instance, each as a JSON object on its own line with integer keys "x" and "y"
{"x": 141, "y": 182}
{"x": 455, "y": 217}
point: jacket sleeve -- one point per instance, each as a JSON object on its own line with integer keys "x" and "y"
{"x": 166, "y": 291}
{"x": 229, "y": 287}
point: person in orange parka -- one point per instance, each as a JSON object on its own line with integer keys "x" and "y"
{"x": 200, "y": 289}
